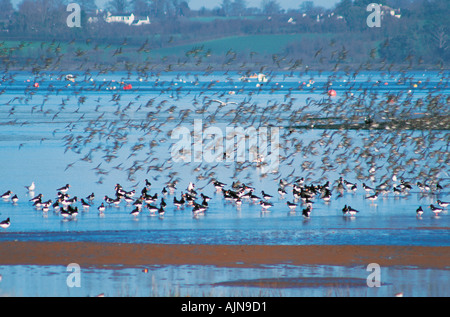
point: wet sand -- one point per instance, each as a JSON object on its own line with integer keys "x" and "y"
{"x": 96, "y": 254}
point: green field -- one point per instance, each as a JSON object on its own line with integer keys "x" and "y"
{"x": 262, "y": 44}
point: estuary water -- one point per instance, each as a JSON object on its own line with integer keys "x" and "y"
{"x": 92, "y": 133}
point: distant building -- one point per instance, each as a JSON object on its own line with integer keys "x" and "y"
{"x": 127, "y": 19}
{"x": 386, "y": 10}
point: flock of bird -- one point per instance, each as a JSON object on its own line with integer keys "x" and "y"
{"x": 127, "y": 131}
{"x": 303, "y": 196}
{"x": 139, "y": 123}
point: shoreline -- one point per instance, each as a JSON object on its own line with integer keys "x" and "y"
{"x": 99, "y": 254}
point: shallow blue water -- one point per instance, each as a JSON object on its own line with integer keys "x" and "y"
{"x": 209, "y": 281}
{"x": 63, "y": 132}
{"x": 36, "y": 124}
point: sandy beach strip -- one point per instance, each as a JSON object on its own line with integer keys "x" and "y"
{"x": 109, "y": 254}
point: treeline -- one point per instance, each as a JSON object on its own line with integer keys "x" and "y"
{"x": 412, "y": 32}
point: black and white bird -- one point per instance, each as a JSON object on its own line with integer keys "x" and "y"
{"x": 135, "y": 211}
{"x": 348, "y": 210}
{"x": 281, "y": 192}
{"x": 90, "y": 197}
{"x": 36, "y": 198}
{"x": 435, "y": 209}
{"x": 179, "y": 203}
{"x": 419, "y": 211}
{"x": 306, "y": 212}
{"x": 85, "y": 204}
{"x": 5, "y": 223}
{"x": 152, "y": 208}
{"x": 265, "y": 195}
{"x": 292, "y": 206}
{"x": 367, "y": 188}
{"x": 443, "y": 204}
{"x": 14, "y": 199}
{"x": 373, "y": 197}
{"x": 64, "y": 189}
{"x": 218, "y": 185}
{"x": 101, "y": 208}
{"x": 265, "y": 204}
{"x": 7, "y": 195}
{"x": 198, "y": 210}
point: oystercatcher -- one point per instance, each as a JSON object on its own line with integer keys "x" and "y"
{"x": 135, "y": 211}
{"x": 265, "y": 205}
{"x": 443, "y": 204}
{"x": 153, "y": 209}
{"x": 306, "y": 212}
{"x": 419, "y": 211}
{"x": 180, "y": 202}
{"x": 7, "y": 195}
{"x": 64, "y": 189}
{"x": 265, "y": 195}
{"x": 373, "y": 197}
{"x": 367, "y": 188}
{"x": 14, "y": 199}
{"x": 218, "y": 185}
{"x": 198, "y": 210}
{"x": 85, "y": 204}
{"x": 348, "y": 210}
{"x": 101, "y": 208}
{"x": 435, "y": 209}
{"x": 291, "y": 206}
{"x": 5, "y": 223}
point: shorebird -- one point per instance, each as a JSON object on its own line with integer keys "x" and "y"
{"x": 180, "y": 202}
{"x": 14, "y": 199}
{"x": 435, "y": 209}
{"x": 306, "y": 212}
{"x": 153, "y": 209}
{"x": 281, "y": 192}
{"x": 7, "y": 195}
{"x": 292, "y": 206}
{"x": 85, "y": 204}
{"x": 373, "y": 197}
{"x": 198, "y": 210}
{"x": 265, "y": 195}
{"x": 218, "y": 185}
{"x": 37, "y": 198}
{"x": 443, "y": 204}
{"x": 101, "y": 208}
{"x": 419, "y": 211}
{"x": 348, "y": 210}
{"x": 265, "y": 205}
{"x": 64, "y": 189}
{"x": 135, "y": 211}
{"x": 367, "y": 188}
{"x": 5, "y": 223}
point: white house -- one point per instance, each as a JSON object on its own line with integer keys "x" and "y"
{"x": 127, "y": 19}
{"x": 119, "y": 18}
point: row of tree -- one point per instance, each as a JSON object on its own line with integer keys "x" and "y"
{"x": 421, "y": 34}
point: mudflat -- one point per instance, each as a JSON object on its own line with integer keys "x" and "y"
{"x": 129, "y": 254}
